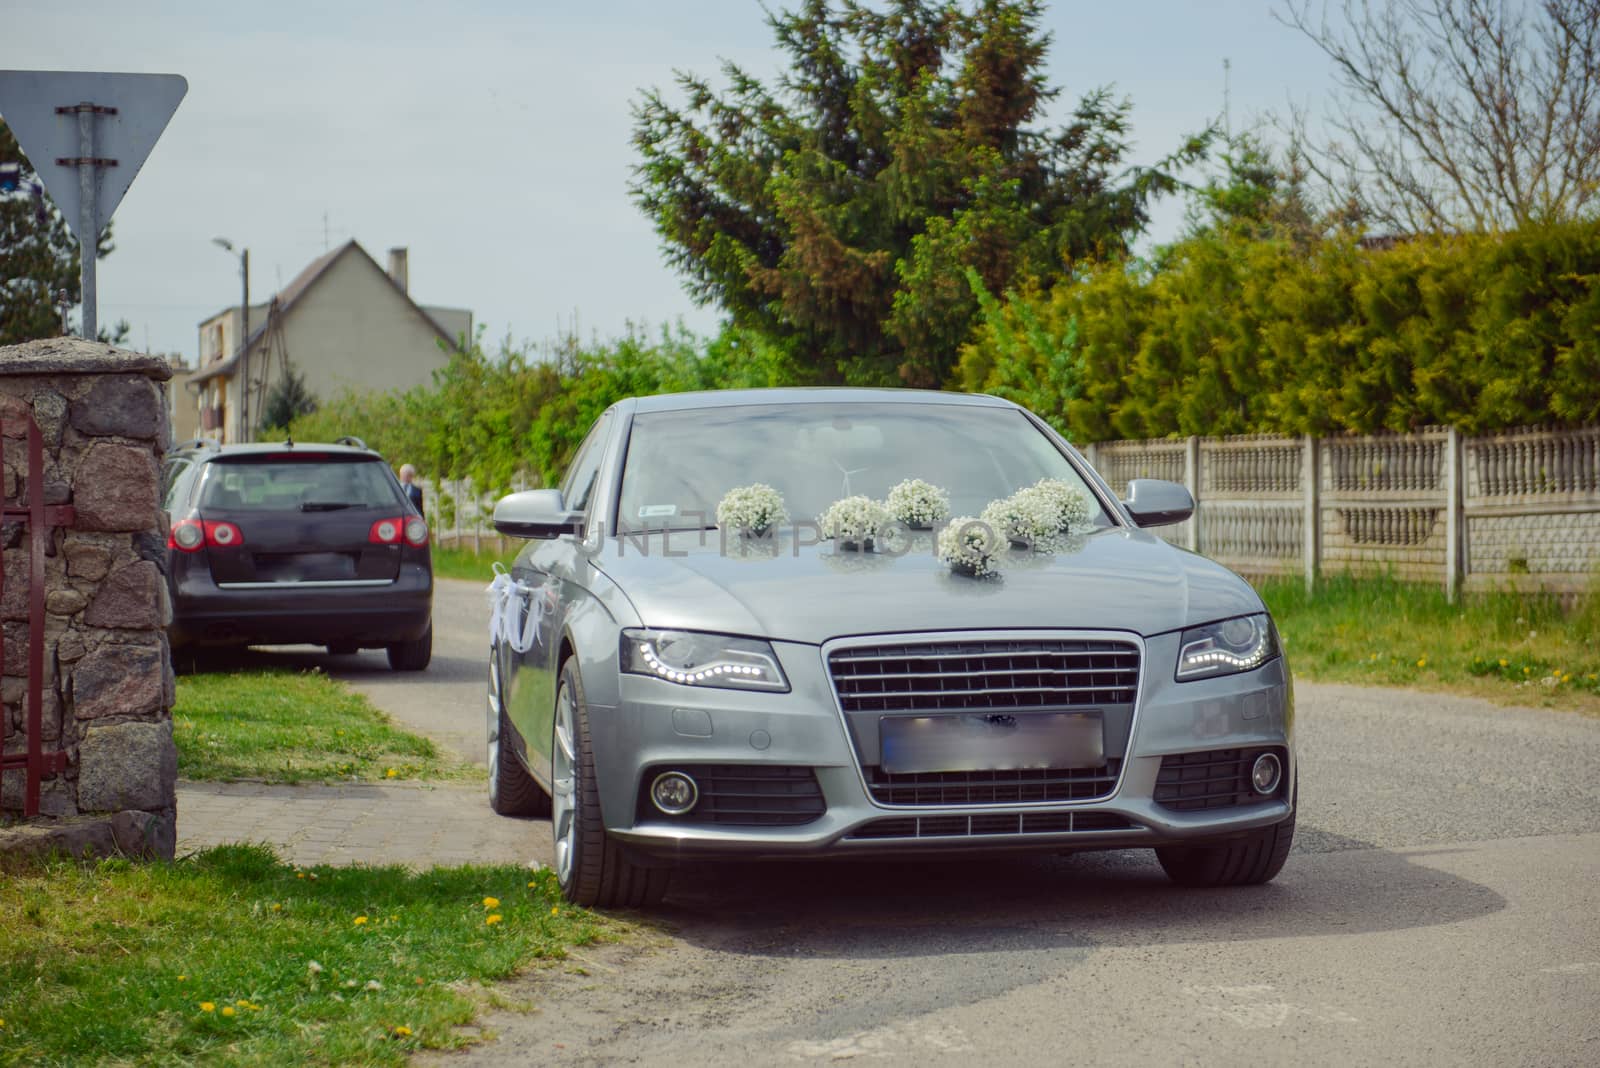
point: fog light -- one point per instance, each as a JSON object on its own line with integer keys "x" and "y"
{"x": 674, "y": 793}
{"x": 1266, "y": 773}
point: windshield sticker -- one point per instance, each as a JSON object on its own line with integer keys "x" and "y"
{"x": 657, "y": 511}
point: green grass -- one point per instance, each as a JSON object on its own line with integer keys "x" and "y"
{"x": 1509, "y": 647}
{"x": 285, "y": 726}
{"x": 114, "y": 962}
{"x": 466, "y": 564}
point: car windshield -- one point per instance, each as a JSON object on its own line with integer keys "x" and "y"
{"x": 309, "y": 484}
{"x": 681, "y": 463}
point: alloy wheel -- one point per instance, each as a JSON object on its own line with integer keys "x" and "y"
{"x": 494, "y": 723}
{"x": 564, "y": 798}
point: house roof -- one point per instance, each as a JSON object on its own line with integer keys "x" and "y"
{"x": 298, "y": 286}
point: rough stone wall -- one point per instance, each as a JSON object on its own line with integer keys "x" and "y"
{"x": 107, "y": 686}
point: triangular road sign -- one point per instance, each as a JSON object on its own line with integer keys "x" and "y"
{"x": 130, "y": 113}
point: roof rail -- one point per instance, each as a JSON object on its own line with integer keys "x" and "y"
{"x": 194, "y": 442}
{"x": 351, "y": 439}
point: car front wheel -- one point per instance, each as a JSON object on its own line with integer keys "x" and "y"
{"x": 1253, "y": 858}
{"x": 512, "y": 791}
{"x": 412, "y": 655}
{"x": 591, "y": 868}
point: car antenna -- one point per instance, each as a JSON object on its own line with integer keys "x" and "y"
{"x": 288, "y": 442}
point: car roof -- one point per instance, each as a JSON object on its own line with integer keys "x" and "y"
{"x": 210, "y": 450}
{"x": 728, "y": 398}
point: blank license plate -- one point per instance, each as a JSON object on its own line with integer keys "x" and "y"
{"x": 983, "y": 742}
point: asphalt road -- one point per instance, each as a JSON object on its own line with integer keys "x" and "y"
{"x": 1442, "y": 906}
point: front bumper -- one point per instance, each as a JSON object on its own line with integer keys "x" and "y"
{"x": 657, "y": 725}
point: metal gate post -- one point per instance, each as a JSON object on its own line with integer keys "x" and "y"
{"x": 34, "y": 762}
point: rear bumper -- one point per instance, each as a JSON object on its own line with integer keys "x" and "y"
{"x": 205, "y": 614}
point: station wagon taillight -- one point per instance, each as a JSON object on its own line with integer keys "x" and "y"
{"x": 387, "y": 531}
{"x": 390, "y": 531}
{"x": 186, "y": 535}
{"x": 222, "y": 535}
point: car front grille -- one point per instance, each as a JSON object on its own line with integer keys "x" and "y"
{"x": 984, "y": 675}
{"x": 1216, "y": 778}
{"x": 742, "y": 795}
{"x": 989, "y": 824}
{"x": 992, "y": 787}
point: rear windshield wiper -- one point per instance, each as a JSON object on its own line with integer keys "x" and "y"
{"x": 324, "y": 506}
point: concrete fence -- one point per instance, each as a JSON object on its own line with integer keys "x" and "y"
{"x": 1518, "y": 510}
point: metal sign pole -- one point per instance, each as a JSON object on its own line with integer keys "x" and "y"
{"x": 88, "y": 232}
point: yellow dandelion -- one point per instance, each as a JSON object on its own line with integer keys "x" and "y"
{"x": 402, "y": 1031}
{"x": 227, "y": 1010}
{"x": 183, "y": 978}
{"x": 299, "y": 875}
{"x": 390, "y": 773}
{"x": 491, "y": 919}
{"x": 1423, "y": 662}
{"x": 530, "y": 886}
{"x": 491, "y": 902}
{"x": 1503, "y": 662}
{"x": 242, "y": 1003}
{"x": 2, "y": 1021}
{"x": 277, "y": 907}
{"x": 361, "y": 921}
{"x": 394, "y": 919}
{"x": 208, "y": 1006}
{"x": 555, "y": 912}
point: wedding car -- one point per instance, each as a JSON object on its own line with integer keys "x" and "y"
{"x": 828, "y": 622}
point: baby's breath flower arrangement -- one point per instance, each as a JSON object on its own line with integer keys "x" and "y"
{"x": 1024, "y": 518}
{"x": 756, "y": 508}
{"x": 971, "y": 546}
{"x": 918, "y": 504}
{"x": 854, "y": 522}
{"x": 1071, "y": 506}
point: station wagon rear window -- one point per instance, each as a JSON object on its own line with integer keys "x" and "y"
{"x": 306, "y": 483}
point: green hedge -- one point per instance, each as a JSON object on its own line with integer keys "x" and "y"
{"x": 1230, "y": 333}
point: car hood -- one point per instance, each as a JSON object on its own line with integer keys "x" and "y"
{"x": 1114, "y": 579}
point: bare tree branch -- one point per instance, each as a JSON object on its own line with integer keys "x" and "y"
{"x": 1457, "y": 114}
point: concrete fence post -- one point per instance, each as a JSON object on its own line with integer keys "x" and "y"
{"x": 1311, "y": 480}
{"x": 1191, "y": 478}
{"x": 1454, "y": 528}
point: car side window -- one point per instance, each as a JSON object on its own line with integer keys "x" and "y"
{"x": 171, "y": 479}
{"x": 578, "y": 488}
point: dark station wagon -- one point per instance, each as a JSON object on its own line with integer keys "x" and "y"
{"x": 292, "y": 543}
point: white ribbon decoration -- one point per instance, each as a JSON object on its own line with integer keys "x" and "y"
{"x": 515, "y": 612}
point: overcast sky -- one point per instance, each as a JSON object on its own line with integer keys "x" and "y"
{"x": 492, "y": 139}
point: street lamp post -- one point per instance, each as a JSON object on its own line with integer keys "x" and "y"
{"x": 244, "y": 334}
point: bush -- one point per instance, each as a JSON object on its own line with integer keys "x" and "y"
{"x": 1234, "y": 330}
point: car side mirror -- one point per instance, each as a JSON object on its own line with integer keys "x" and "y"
{"x": 536, "y": 514}
{"x": 1155, "y": 502}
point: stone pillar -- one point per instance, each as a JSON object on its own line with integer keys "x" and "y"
{"x": 108, "y": 687}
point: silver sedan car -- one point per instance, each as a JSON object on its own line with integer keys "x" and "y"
{"x": 666, "y": 691}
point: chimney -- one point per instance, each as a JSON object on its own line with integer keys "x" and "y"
{"x": 398, "y": 269}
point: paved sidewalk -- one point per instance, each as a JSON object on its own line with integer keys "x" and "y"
{"x": 414, "y": 824}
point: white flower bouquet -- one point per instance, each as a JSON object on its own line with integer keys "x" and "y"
{"x": 918, "y": 504}
{"x": 756, "y": 509}
{"x": 1071, "y": 506}
{"x": 855, "y": 521}
{"x": 1024, "y": 518}
{"x": 972, "y": 546}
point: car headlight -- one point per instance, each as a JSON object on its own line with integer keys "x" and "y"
{"x": 692, "y": 659}
{"x": 1243, "y": 643}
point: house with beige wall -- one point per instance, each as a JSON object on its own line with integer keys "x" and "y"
{"x": 343, "y": 323}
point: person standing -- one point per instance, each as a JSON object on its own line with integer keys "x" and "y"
{"x": 408, "y": 480}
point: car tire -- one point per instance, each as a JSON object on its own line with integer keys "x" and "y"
{"x": 512, "y": 791}
{"x": 1253, "y": 858}
{"x": 591, "y": 867}
{"x": 412, "y": 655}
